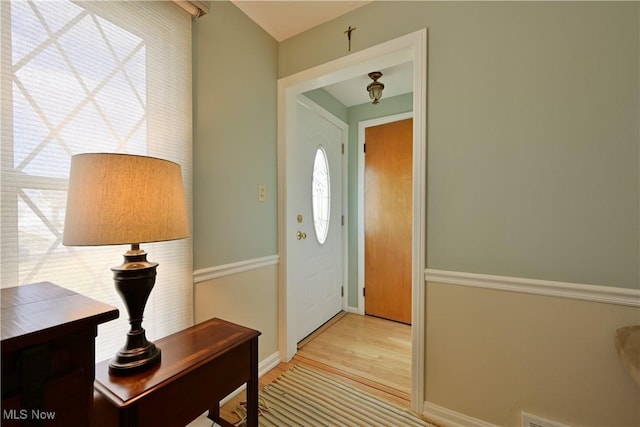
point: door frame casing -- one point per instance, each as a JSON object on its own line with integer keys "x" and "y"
{"x": 362, "y": 126}
{"x": 409, "y": 48}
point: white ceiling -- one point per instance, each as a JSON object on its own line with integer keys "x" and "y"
{"x": 285, "y": 19}
{"x": 397, "y": 80}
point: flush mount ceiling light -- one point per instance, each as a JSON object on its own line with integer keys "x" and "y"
{"x": 375, "y": 88}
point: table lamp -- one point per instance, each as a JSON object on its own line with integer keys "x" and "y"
{"x": 116, "y": 199}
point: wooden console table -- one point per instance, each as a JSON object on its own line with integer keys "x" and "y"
{"x": 48, "y": 354}
{"x": 200, "y": 366}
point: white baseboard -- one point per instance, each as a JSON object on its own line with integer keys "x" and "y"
{"x": 268, "y": 364}
{"x": 350, "y": 309}
{"x": 237, "y": 267}
{"x": 593, "y": 293}
{"x": 445, "y": 417}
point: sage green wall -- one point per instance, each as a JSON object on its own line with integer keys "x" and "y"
{"x": 533, "y": 131}
{"x": 235, "y": 96}
{"x": 329, "y": 103}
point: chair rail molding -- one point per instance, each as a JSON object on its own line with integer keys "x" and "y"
{"x": 205, "y": 274}
{"x": 594, "y": 293}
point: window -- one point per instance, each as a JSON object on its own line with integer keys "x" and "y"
{"x": 91, "y": 77}
{"x": 321, "y": 195}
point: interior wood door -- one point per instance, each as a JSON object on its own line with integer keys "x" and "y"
{"x": 388, "y": 220}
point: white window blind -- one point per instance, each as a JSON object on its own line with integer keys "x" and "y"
{"x": 81, "y": 77}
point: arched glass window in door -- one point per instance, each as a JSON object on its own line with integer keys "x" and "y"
{"x": 321, "y": 195}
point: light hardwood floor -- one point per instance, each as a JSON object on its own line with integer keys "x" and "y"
{"x": 370, "y": 353}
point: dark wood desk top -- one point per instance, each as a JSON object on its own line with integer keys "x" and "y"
{"x": 29, "y": 311}
{"x": 182, "y": 353}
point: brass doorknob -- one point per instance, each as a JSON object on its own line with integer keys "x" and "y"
{"x": 301, "y": 235}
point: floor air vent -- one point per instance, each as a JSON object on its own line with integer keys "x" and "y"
{"x": 529, "y": 420}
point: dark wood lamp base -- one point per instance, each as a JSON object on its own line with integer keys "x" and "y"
{"x": 134, "y": 281}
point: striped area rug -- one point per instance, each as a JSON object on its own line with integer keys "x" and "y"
{"x": 306, "y": 397}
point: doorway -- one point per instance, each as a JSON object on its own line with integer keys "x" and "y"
{"x": 408, "y": 48}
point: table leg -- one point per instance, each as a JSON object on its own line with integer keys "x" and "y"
{"x": 252, "y": 387}
{"x": 214, "y": 412}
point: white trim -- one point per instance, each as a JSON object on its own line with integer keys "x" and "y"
{"x": 268, "y": 364}
{"x": 362, "y": 126}
{"x": 351, "y": 309}
{"x": 418, "y": 291}
{"x": 408, "y": 48}
{"x": 447, "y": 418}
{"x": 204, "y": 274}
{"x": 594, "y": 293}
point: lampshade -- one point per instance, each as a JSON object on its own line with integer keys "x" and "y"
{"x": 123, "y": 199}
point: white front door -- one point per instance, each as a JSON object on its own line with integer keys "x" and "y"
{"x": 315, "y": 218}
